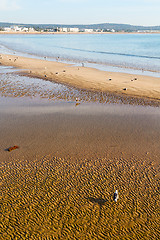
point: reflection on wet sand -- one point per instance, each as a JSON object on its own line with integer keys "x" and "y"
{"x": 14, "y": 85}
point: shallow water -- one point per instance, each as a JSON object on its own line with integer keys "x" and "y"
{"x": 138, "y": 52}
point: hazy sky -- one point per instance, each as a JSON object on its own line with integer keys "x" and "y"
{"x": 137, "y": 12}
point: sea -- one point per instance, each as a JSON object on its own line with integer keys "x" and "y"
{"x": 130, "y": 53}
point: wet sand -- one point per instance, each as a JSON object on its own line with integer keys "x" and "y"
{"x": 60, "y": 183}
{"x": 92, "y": 129}
{"x": 137, "y": 86}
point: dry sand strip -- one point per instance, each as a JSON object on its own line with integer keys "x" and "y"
{"x": 87, "y": 78}
{"x": 84, "y": 33}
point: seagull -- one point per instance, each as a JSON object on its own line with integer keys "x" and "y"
{"x": 116, "y": 196}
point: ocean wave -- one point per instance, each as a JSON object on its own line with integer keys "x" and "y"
{"x": 108, "y": 53}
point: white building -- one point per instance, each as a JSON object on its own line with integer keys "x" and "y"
{"x": 25, "y": 29}
{"x": 68, "y": 29}
{"x": 63, "y": 29}
{"x": 7, "y": 29}
{"x": 31, "y": 30}
{"x": 73, "y": 29}
{"x": 88, "y": 30}
{"x": 16, "y": 28}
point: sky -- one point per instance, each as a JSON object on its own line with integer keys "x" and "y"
{"x": 135, "y": 12}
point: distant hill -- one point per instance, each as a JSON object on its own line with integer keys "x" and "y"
{"x": 117, "y": 27}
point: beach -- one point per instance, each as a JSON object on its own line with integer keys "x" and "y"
{"x": 79, "y": 120}
{"x": 87, "y": 78}
{"x": 60, "y": 182}
{"x": 81, "y": 134}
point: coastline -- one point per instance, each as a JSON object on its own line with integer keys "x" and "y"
{"x": 138, "y": 86}
{"x": 41, "y": 33}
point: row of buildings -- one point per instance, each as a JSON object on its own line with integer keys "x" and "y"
{"x": 41, "y": 28}
{"x": 89, "y": 30}
{"x": 18, "y": 29}
{"x": 58, "y": 29}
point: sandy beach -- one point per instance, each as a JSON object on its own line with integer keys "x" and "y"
{"x": 72, "y": 155}
{"x": 87, "y": 78}
{"x": 79, "y": 120}
{"x": 60, "y": 182}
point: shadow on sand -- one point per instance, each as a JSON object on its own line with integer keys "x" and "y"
{"x": 100, "y": 201}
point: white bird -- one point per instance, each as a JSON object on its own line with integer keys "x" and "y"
{"x": 116, "y": 196}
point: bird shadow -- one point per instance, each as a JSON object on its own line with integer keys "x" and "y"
{"x": 99, "y": 201}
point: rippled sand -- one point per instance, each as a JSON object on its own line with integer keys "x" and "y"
{"x": 58, "y": 198}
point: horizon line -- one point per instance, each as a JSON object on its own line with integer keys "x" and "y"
{"x": 82, "y": 24}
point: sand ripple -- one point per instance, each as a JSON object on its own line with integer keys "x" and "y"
{"x": 55, "y": 198}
